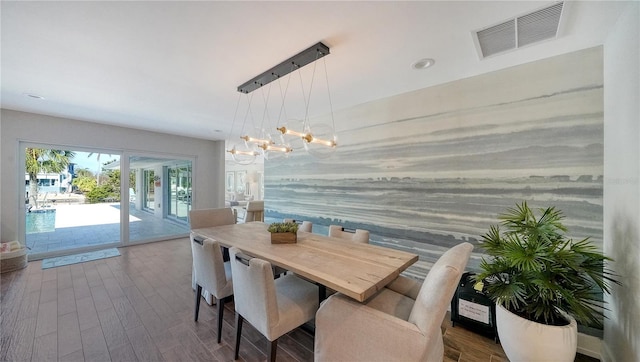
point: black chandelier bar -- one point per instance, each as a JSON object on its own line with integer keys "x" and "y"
{"x": 299, "y": 60}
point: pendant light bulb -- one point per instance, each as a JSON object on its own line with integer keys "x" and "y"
{"x": 243, "y": 156}
{"x": 249, "y": 139}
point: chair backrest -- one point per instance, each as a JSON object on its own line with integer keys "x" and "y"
{"x": 254, "y": 290}
{"x": 255, "y": 211}
{"x": 438, "y": 288}
{"x": 203, "y": 218}
{"x": 208, "y": 266}
{"x": 306, "y": 226}
{"x": 358, "y": 236}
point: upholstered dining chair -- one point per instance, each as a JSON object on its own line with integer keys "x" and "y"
{"x": 254, "y": 211}
{"x": 273, "y": 307}
{"x": 211, "y": 273}
{"x": 202, "y": 218}
{"x": 391, "y": 326}
{"x": 305, "y": 226}
{"x": 357, "y": 236}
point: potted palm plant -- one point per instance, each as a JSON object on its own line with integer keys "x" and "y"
{"x": 283, "y": 232}
{"x": 542, "y": 283}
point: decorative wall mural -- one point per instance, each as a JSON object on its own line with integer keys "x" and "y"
{"x": 438, "y": 174}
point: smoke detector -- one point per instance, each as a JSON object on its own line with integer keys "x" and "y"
{"x": 518, "y": 32}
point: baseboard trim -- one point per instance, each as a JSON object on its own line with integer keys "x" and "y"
{"x": 590, "y": 346}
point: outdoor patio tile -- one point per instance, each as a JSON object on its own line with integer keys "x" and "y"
{"x": 63, "y": 238}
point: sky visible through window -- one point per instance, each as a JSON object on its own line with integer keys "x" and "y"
{"x": 83, "y": 160}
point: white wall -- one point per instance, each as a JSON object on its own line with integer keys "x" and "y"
{"x": 253, "y": 174}
{"x": 208, "y": 169}
{"x": 622, "y": 184}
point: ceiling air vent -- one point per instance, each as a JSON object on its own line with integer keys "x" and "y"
{"x": 521, "y": 31}
{"x": 497, "y": 38}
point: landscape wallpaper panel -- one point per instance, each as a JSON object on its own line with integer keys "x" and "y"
{"x": 429, "y": 169}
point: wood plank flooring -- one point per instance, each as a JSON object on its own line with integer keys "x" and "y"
{"x": 139, "y": 307}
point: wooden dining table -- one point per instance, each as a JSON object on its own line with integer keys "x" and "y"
{"x": 353, "y": 269}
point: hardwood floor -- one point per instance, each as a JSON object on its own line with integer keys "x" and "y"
{"x": 139, "y": 307}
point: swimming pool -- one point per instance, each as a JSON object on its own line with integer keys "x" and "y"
{"x": 41, "y": 221}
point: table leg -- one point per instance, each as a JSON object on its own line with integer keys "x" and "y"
{"x": 322, "y": 293}
{"x": 225, "y": 254}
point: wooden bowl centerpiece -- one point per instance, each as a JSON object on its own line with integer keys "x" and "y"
{"x": 283, "y": 232}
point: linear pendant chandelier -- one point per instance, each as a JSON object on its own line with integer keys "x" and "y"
{"x": 322, "y": 136}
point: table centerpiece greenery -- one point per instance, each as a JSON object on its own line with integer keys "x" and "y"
{"x": 283, "y": 232}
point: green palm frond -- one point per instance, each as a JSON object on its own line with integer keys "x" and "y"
{"x": 44, "y": 160}
{"x": 535, "y": 271}
{"x": 522, "y": 255}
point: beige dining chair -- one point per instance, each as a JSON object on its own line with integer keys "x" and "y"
{"x": 273, "y": 307}
{"x": 202, "y": 218}
{"x": 211, "y": 273}
{"x": 357, "y": 236}
{"x": 391, "y": 326}
{"x": 305, "y": 226}
{"x": 254, "y": 211}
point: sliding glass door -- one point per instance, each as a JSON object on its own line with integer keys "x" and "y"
{"x": 148, "y": 190}
{"x": 75, "y": 199}
{"x": 72, "y": 199}
{"x": 179, "y": 191}
{"x": 162, "y": 211}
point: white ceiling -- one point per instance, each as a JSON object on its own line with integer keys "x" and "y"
{"x": 174, "y": 67}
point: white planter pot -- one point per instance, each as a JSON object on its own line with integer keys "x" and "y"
{"x": 524, "y": 340}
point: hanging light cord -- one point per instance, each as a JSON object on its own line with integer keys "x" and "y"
{"x": 304, "y": 96}
{"x": 326, "y": 76}
{"x": 286, "y": 89}
{"x": 265, "y": 113}
{"x": 234, "y": 116}
{"x": 246, "y": 114}
{"x": 308, "y": 100}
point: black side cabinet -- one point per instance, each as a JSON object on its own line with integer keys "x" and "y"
{"x": 473, "y": 309}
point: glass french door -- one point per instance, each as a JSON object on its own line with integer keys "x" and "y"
{"x": 179, "y": 191}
